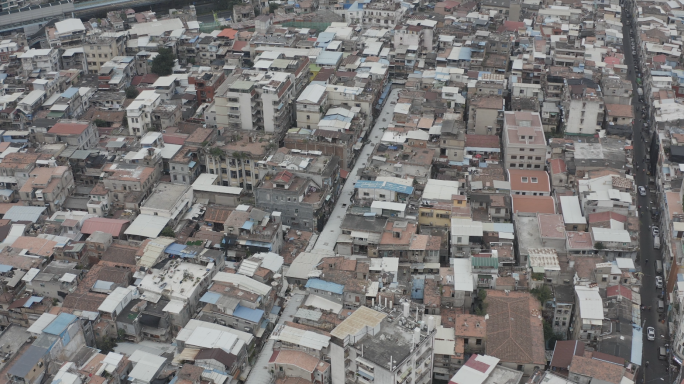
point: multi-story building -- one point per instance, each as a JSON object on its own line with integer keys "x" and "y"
{"x": 311, "y": 106}
{"x": 129, "y": 184}
{"x": 66, "y": 33}
{"x": 77, "y": 134}
{"x": 252, "y": 230}
{"x": 582, "y": 107}
{"x": 381, "y": 14}
{"x": 206, "y": 84}
{"x": 239, "y": 158}
{"x": 301, "y": 201}
{"x": 139, "y": 112}
{"x": 368, "y": 348}
{"x": 564, "y": 301}
{"x": 40, "y": 59}
{"x": 184, "y": 166}
{"x": 48, "y": 187}
{"x": 485, "y": 115}
{"x": 116, "y": 74}
{"x": 589, "y": 315}
{"x": 616, "y": 90}
{"x": 239, "y": 109}
{"x": 523, "y": 140}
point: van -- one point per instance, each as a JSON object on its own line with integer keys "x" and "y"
{"x": 662, "y": 353}
{"x": 656, "y": 242}
{"x": 661, "y": 306}
{"x": 659, "y": 266}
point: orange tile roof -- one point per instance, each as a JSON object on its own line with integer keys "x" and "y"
{"x": 533, "y": 204}
{"x": 516, "y": 177}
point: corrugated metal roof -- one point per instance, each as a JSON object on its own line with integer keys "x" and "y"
{"x": 60, "y": 324}
{"x": 246, "y": 313}
{"x": 300, "y": 337}
{"x": 373, "y": 184}
{"x": 309, "y": 314}
{"x": 20, "y": 213}
{"x": 485, "y": 262}
{"x": 325, "y": 286}
{"x": 210, "y": 297}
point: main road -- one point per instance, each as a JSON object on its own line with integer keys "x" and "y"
{"x": 328, "y": 236}
{"x": 657, "y": 369}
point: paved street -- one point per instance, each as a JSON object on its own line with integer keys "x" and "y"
{"x": 260, "y": 373}
{"x": 657, "y": 369}
{"x": 328, "y": 237}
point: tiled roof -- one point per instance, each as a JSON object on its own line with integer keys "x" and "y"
{"x": 596, "y": 369}
{"x": 514, "y": 328}
{"x": 68, "y": 128}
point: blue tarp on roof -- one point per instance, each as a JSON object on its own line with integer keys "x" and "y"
{"x": 253, "y": 315}
{"x": 247, "y": 225}
{"x": 417, "y": 289}
{"x": 275, "y": 310}
{"x": 60, "y": 324}
{"x": 261, "y": 244}
{"x": 32, "y": 300}
{"x": 373, "y": 184}
{"x": 20, "y": 213}
{"x": 5, "y": 268}
{"x": 210, "y": 297}
{"x": 175, "y": 249}
{"x": 325, "y": 286}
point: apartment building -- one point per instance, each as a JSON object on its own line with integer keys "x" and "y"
{"x": 276, "y": 91}
{"x": 524, "y": 141}
{"x": 583, "y": 107}
{"x": 139, "y": 112}
{"x": 40, "y": 59}
{"x": 48, "y": 187}
{"x": 117, "y": 73}
{"x": 101, "y": 48}
{"x": 238, "y": 109}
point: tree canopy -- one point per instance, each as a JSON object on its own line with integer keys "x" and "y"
{"x": 162, "y": 64}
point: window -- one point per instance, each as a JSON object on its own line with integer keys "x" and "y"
{"x": 538, "y": 158}
{"x": 366, "y": 194}
{"x": 382, "y": 196}
{"x": 522, "y": 149}
{"x": 520, "y": 367}
{"x": 524, "y": 179}
{"x": 478, "y": 342}
{"x": 296, "y": 210}
{"x": 514, "y": 157}
{"x": 535, "y": 180}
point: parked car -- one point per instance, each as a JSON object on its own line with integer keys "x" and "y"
{"x": 655, "y": 231}
{"x": 642, "y": 191}
{"x": 650, "y": 331}
{"x": 659, "y": 281}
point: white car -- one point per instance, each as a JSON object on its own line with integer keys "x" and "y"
{"x": 659, "y": 281}
{"x": 655, "y": 231}
{"x": 642, "y": 191}
{"x": 650, "y": 331}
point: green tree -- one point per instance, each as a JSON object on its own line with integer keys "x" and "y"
{"x": 481, "y": 307}
{"x": 599, "y": 245}
{"x": 162, "y": 64}
{"x": 550, "y": 337}
{"x": 101, "y": 123}
{"x": 131, "y": 92}
{"x": 168, "y": 232}
{"x": 543, "y": 294}
{"x": 273, "y": 6}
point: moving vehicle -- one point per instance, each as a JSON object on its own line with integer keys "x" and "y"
{"x": 659, "y": 282}
{"x": 650, "y": 332}
{"x": 642, "y": 191}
